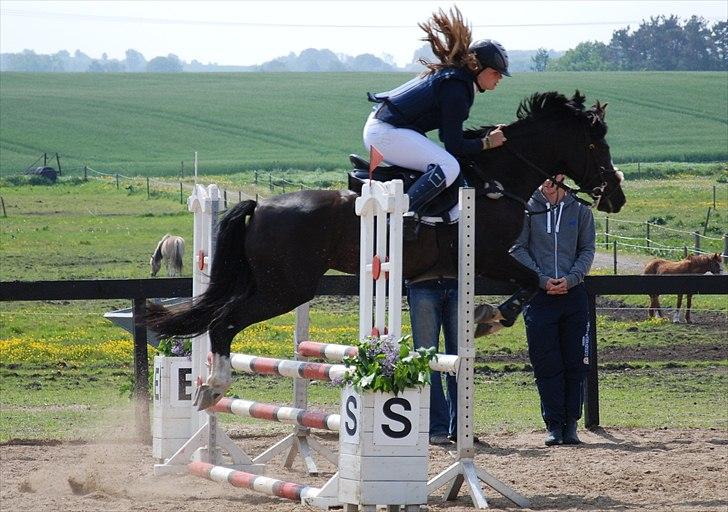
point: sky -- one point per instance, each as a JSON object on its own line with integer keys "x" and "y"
{"x": 252, "y": 32}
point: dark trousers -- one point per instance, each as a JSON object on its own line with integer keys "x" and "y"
{"x": 433, "y": 306}
{"x": 557, "y": 329}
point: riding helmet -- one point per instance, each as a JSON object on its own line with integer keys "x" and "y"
{"x": 491, "y": 54}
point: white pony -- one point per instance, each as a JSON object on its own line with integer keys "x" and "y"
{"x": 171, "y": 249}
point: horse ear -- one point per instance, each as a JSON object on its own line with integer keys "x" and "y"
{"x": 578, "y": 98}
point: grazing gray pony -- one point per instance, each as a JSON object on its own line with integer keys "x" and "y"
{"x": 171, "y": 249}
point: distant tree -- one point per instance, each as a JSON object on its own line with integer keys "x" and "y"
{"x": 369, "y": 62}
{"x": 587, "y": 56}
{"x": 719, "y": 34}
{"x": 168, "y": 64}
{"x": 663, "y": 44}
{"x": 540, "y": 60}
{"x": 135, "y": 61}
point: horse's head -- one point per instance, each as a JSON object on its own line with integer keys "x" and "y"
{"x": 589, "y": 161}
{"x": 156, "y": 264}
{"x": 714, "y": 263}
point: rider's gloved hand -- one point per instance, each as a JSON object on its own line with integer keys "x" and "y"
{"x": 494, "y": 139}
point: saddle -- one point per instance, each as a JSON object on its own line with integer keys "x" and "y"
{"x": 438, "y": 209}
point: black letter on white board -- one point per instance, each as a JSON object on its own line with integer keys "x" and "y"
{"x": 349, "y": 401}
{"x": 389, "y": 413}
{"x": 183, "y": 381}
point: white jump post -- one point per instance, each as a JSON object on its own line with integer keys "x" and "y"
{"x": 464, "y": 470}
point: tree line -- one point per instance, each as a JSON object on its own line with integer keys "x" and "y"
{"x": 660, "y": 44}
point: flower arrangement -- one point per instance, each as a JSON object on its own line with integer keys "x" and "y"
{"x": 174, "y": 347}
{"x": 384, "y": 365}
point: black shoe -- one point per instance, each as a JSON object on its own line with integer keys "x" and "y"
{"x": 439, "y": 439}
{"x": 570, "y": 436}
{"x": 554, "y": 435}
{"x": 454, "y": 439}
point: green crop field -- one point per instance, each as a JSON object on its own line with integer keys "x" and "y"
{"x": 147, "y": 124}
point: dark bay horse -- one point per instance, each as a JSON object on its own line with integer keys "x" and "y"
{"x": 693, "y": 264}
{"x": 271, "y": 254}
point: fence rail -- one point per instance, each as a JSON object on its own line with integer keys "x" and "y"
{"x": 138, "y": 290}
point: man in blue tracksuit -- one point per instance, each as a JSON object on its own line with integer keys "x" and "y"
{"x": 558, "y": 242}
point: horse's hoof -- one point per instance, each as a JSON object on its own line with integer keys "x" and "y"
{"x": 205, "y": 397}
{"x": 486, "y": 313}
{"x": 487, "y": 329}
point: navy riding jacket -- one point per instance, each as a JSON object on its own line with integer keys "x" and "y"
{"x": 440, "y": 100}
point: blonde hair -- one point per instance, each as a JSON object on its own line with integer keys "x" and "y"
{"x": 449, "y": 37}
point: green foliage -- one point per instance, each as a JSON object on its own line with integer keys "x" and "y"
{"x": 389, "y": 367}
{"x": 540, "y": 61}
{"x": 147, "y": 124}
{"x": 586, "y": 56}
{"x": 174, "y": 347}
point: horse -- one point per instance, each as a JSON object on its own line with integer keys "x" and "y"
{"x": 271, "y": 254}
{"x": 171, "y": 250}
{"x": 693, "y": 264}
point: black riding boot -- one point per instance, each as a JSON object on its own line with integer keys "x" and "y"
{"x": 422, "y": 191}
{"x": 554, "y": 434}
{"x": 570, "y": 436}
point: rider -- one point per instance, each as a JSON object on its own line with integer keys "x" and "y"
{"x": 439, "y": 98}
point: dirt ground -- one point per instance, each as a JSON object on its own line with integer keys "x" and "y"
{"x": 616, "y": 469}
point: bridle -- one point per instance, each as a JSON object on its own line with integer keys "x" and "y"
{"x": 595, "y": 193}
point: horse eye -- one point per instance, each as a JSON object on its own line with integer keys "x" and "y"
{"x": 591, "y": 146}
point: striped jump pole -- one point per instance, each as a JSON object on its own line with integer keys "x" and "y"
{"x": 335, "y": 352}
{"x": 270, "y": 412}
{"x": 287, "y": 368}
{"x": 264, "y": 484}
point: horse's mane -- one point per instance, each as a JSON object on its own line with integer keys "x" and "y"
{"x": 550, "y": 105}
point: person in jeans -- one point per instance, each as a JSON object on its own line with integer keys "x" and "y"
{"x": 433, "y": 307}
{"x": 558, "y": 242}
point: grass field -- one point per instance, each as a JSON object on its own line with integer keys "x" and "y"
{"x": 148, "y": 124}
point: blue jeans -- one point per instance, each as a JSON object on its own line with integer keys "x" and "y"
{"x": 557, "y": 329}
{"x": 434, "y": 305}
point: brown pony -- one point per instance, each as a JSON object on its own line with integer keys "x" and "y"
{"x": 693, "y": 264}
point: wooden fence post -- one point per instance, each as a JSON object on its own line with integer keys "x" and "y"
{"x": 58, "y": 161}
{"x": 606, "y": 232}
{"x": 707, "y": 220}
{"x": 270, "y": 182}
{"x": 615, "y": 257}
{"x": 181, "y": 195}
{"x": 117, "y": 181}
{"x": 713, "y": 197}
{"x": 45, "y": 159}
{"x": 591, "y": 384}
{"x": 255, "y": 177}
{"x": 685, "y": 251}
{"x": 725, "y": 249}
{"x": 224, "y": 198}
{"x": 147, "y": 187}
{"x": 141, "y": 372}
{"x": 240, "y": 196}
{"x": 696, "y": 237}
{"x": 85, "y": 173}
{"x": 3, "y": 205}
{"x": 647, "y": 234}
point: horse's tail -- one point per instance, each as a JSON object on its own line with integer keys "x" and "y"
{"x": 179, "y": 254}
{"x": 230, "y": 281}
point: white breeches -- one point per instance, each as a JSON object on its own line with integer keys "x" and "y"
{"x": 408, "y": 148}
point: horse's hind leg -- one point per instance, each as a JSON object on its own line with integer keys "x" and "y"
{"x": 688, "y": 305}
{"x": 653, "y": 310}
{"x": 676, "y": 314}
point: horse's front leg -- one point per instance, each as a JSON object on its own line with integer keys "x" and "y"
{"x": 490, "y": 319}
{"x": 688, "y": 306}
{"x": 676, "y": 314}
